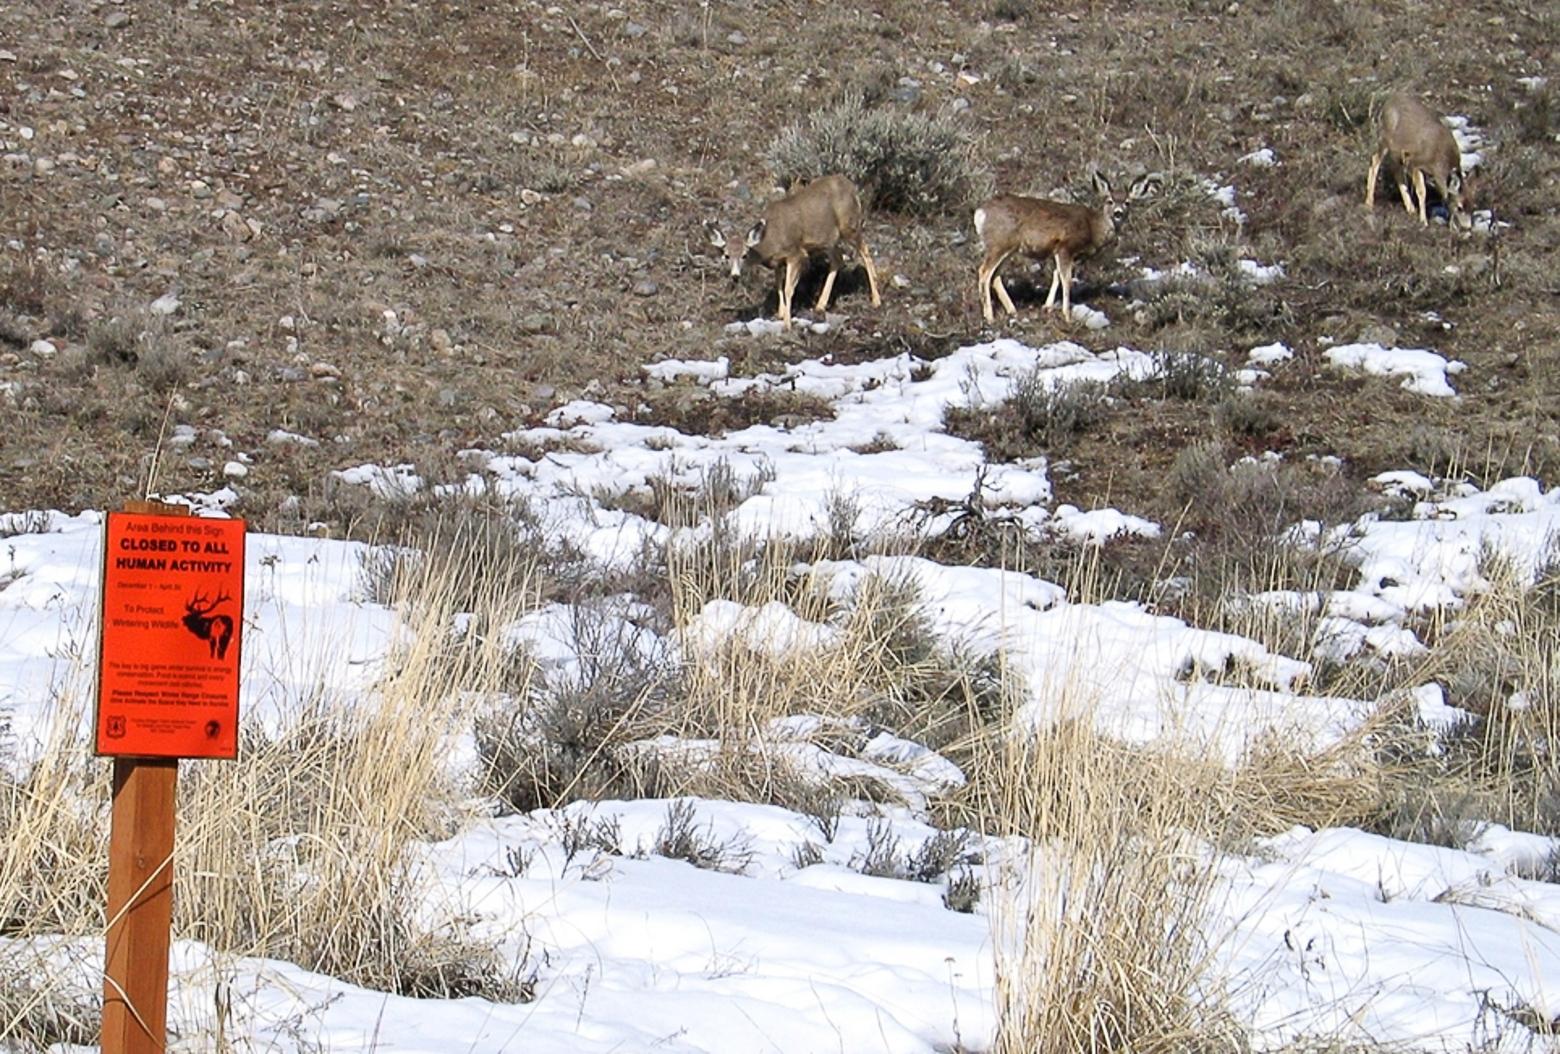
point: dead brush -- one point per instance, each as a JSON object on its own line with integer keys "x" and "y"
{"x": 1103, "y": 946}
{"x": 302, "y": 851}
{"x": 1497, "y": 661}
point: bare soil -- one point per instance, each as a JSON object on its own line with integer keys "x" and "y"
{"x": 324, "y": 234}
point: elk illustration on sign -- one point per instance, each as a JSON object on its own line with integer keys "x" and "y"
{"x": 216, "y": 630}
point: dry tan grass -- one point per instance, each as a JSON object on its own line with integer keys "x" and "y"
{"x": 301, "y": 849}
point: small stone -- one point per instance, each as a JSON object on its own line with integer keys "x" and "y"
{"x": 234, "y": 227}
{"x": 737, "y": 37}
{"x": 43, "y": 348}
{"x": 645, "y": 287}
{"x": 345, "y": 101}
{"x": 418, "y": 260}
{"x": 199, "y": 464}
{"x": 200, "y": 189}
{"x": 235, "y": 470}
{"x": 165, "y": 305}
{"x": 117, "y": 20}
{"x": 157, "y": 204}
{"x": 529, "y": 196}
{"x": 1378, "y": 333}
{"x": 440, "y": 340}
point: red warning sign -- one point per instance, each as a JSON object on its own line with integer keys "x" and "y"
{"x": 173, "y": 605}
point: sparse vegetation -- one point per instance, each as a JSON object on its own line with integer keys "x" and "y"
{"x": 902, "y": 161}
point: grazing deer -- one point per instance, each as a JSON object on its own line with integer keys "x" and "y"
{"x": 1420, "y": 144}
{"x": 1012, "y": 223}
{"x": 217, "y": 630}
{"x": 817, "y": 217}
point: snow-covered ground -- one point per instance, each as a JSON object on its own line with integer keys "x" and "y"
{"x": 1332, "y": 935}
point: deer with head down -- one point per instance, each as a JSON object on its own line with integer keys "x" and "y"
{"x": 818, "y": 217}
{"x": 1420, "y": 146}
{"x": 1038, "y": 228}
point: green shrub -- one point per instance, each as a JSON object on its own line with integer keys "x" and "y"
{"x": 903, "y": 162}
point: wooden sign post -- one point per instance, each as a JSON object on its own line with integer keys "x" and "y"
{"x": 173, "y": 601}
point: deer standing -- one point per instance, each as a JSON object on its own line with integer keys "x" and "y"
{"x": 815, "y": 218}
{"x": 217, "y": 630}
{"x": 1035, "y": 227}
{"x": 1420, "y": 144}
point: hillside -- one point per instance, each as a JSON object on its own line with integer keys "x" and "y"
{"x": 318, "y": 235}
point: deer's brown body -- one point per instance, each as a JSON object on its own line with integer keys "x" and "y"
{"x": 818, "y": 217}
{"x": 1039, "y": 228}
{"x": 1421, "y": 147}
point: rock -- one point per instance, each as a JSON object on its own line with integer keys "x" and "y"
{"x": 440, "y": 340}
{"x": 165, "y": 305}
{"x": 116, "y": 20}
{"x": 1377, "y": 333}
{"x": 322, "y": 211}
{"x": 199, "y": 464}
{"x": 645, "y": 287}
{"x": 157, "y": 204}
{"x": 529, "y": 196}
{"x": 234, "y": 227}
{"x": 200, "y": 189}
{"x": 235, "y": 470}
{"x": 43, "y": 348}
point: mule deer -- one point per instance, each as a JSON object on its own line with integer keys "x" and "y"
{"x": 813, "y": 218}
{"x": 1012, "y": 223}
{"x": 1420, "y": 144}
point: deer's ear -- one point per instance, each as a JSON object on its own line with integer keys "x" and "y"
{"x": 717, "y": 239}
{"x": 1143, "y": 186}
{"x": 755, "y": 235}
{"x": 1101, "y": 185}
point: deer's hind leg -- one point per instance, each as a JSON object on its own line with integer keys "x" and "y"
{"x": 988, "y": 278}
